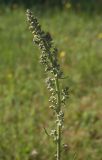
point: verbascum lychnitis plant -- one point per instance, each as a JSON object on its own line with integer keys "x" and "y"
{"x": 49, "y": 59}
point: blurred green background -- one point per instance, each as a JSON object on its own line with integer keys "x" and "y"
{"x": 76, "y": 27}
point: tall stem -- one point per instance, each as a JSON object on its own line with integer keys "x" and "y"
{"x": 50, "y": 61}
{"x": 58, "y": 126}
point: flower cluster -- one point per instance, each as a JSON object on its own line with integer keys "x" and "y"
{"x": 44, "y": 40}
{"x": 65, "y": 94}
{"x": 49, "y": 58}
{"x": 54, "y": 135}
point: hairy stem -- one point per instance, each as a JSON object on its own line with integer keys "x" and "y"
{"x": 58, "y": 126}
{"x": 59, "y": 143}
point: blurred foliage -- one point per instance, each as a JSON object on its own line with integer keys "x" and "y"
{"x": 79, "y": 5}
{"x": 86, "y": 5}
{"x": 33, "y": 2}
{"x": 24, "y": 103}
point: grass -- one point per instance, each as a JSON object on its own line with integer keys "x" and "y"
{"x": 23, "y": 95}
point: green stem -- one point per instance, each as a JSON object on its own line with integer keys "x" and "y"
{"x": 58, "y": 126}
{"x": 58, "y": 143}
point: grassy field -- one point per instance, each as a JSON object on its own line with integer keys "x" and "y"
{"x": 23, "y": 93}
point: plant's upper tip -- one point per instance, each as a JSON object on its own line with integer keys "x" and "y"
{"x": 28, "y": 11}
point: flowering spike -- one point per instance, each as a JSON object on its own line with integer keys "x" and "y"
{"x": 49, "y": 59}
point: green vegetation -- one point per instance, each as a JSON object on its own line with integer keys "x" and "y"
{"x": 24, "y": 104}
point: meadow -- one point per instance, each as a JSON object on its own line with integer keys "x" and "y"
{"x": 24, "y": 110}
